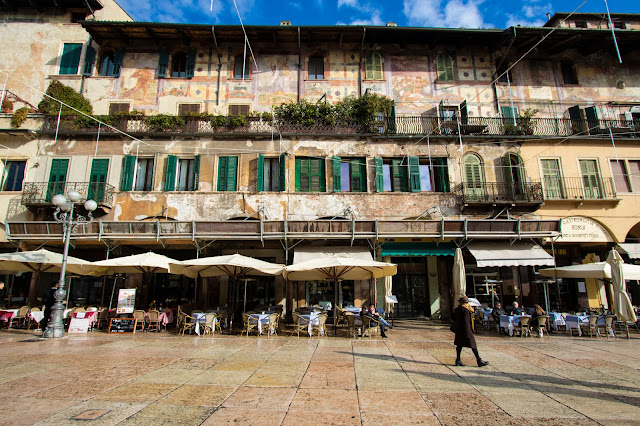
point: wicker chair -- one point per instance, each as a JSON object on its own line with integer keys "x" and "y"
{"x": 249, "y": 324}
{"x": 21, "y": 317}
{"x": 321, "y": 326}
{"x": 591, "y": 328}
{"x": 273, "y": 324}
{"x": 523, "y": 328}
{"x": 607, "y": 328}
{"x": 299, "y": 324}
{"x": 209, "y": 326}
{"x": 352, "y": 327}
{"x": 186, "y": 323}
{"x": 542, "y": 324}
{"x": 369, "y": 325}
{"x": 153, "y": 320}
{"x": 103, "y": 318}
{"x": 139, "y": 316}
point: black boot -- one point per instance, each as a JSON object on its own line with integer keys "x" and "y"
{"x": 460, "y": 363}
{"x": 482, "y": 363}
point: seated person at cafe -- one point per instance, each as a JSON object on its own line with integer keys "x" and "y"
{"x": 515, "y": 309}
{"x": 371, "y": 312}
{"x": 497, "y": 311}
{"x": 537, "y": 311}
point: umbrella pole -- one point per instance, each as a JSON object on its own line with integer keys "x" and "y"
{"x": 104, "y": 283}
{"x": 113, "y": 290}
{"x": 68, "y": 291}
{"x": 335, "y": 307}
{"x": 244, "y": 309}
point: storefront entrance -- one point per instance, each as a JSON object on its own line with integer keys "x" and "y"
{"x": 410, "y": 287}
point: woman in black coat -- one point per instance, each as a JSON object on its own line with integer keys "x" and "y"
{"x": 464, "y": 333}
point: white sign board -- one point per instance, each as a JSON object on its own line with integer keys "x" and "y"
{"x": 79, "y": 325}
{"x": 391, "y": 299}
{"x": 578, "y": 229}
{"x": 126, "y": 301}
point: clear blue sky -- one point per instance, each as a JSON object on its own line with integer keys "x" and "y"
{"x": 431, "y": 13}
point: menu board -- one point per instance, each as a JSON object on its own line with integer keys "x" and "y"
{"x": 126, "y": 301}
{"x": 122, "y": 325}
{"x": 79, "y": 325}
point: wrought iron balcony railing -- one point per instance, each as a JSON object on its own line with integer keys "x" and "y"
{"x": 576, "y": 188}
{"x": 499, "y": 193}
{"x": 41, "y": 193}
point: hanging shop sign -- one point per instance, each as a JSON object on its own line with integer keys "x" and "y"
{"x": 578, "y": 229}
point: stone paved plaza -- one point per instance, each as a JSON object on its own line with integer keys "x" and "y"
{"x": 407, "y": 379}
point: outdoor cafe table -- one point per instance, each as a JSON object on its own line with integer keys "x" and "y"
{"x": 556, "y": 319}
{"x": 510, "y": 321}
{"x": 261, "y": 319}
{"x": 7, "y": 314}
{"x": 37, "y": 316}
{"x": 165, "y": 317}
{"x": 313, "y": 320}
{"x": 352, "y": 309}
{"x": 200, "y": 317}
{"x": 92, "y": 316}
{"x": 574, "y": 321}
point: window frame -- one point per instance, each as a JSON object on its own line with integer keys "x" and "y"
{"x": 239, "y": 106}
{"x": 371, "y": 68}
{"x": 562, "y": 193}
{"x": 262, "y": 173}
{"x": 317, "y": 61}
{"x": 6, "y": 172}
{"x": 70, "y": 58}
{"x": 444, "y": 68}
{"x": 119, "y": 109}
{"x": 569, "y": 71}
{"x": 130, "y": 176}
{"x": 223, "y": 179}
{"x": 236, "y": 71}
{"x": 356, "y": 169}
{"x": 187, "y": 105}
{"x": 629, "y": 176}
{"x": 178, "y": 59}
{"x": 307, "y": 173}
{"x": 115, "y": 67}
{"x": 477, "y": 186}
{"x": 599, "y": 184}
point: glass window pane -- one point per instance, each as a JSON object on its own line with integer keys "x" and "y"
{"x": 620, "y": 176}
{"x": 386, "y": 176}
{"x": 425, "y": 178}
{"x": 634, "y": 174}
{"x": 345, "y": 177}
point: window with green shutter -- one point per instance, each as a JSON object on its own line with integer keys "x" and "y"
{"x": 591, "y": 179}
{"x": 98, "y": 179}
{"x": 358, "y": 174}
{"x": 378, "y": 165}
{"x": 191, "y": 63}
{"x": 444, "y": 68}
{"x": 227, "y": 173}
{"x": 552, "y": 179}
{"x": 170, "y": 174}
{"x": 473, "y": 177}
{"x": 163, "y": 63}
{"x": 70, "y": 59}
{"x": 337, "y": 174}
{"x": 57, "y": 177}
{"x": 89, "y": 61}
{"x": 373, "y": 66}
{"x": 271, "y": 173}
{"x": 399, "y": 175}
{"x": 310, "y": 175}
{"x": 128, "y": 168}
{"x": 414, "y": 174}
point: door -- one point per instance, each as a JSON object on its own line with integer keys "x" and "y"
{"x": 98, "y": 180}
{"x": 57, "y": 178}
{"x": 410, "y": 287}
{"x": 513, "y": 177}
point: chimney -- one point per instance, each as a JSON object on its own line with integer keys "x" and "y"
{"x": 392, "y": 24}
{"x": 548, "y": 16}
{"x": 285, "y": 23}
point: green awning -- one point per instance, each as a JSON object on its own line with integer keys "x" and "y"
{"x": 418, "y": 249}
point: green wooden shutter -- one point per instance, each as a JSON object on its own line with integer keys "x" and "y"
{"x": 128, "y": 167}
{"x": 57, "y": 177}
{"x": 508, "y": 112}
{"x": 260, "y": 177}
{"x": 464, "y": 113}
{"x": 302, "y": 173}
{"x": 590, "y": 178}
{"x": 196, "y": 172}
{"x": 391, "y": 124}
{"x": 414, "y": 174}
{"x": 358, "y": 175}
{"x": 70, "y": 59}
{"x": 222, "y": 173}
{"x": 473, "y": 177}
{"x": 170, "y": 175}
{"x": 399, "y": 176}
{"x": 232, "y": 171}
{"x": 575, "y": 116}
{"x": 98, "y": 179}
{"x": 163, "y": 63}
{"x": 118, "y": 57}
{"x": 443, "y": 174}
{"x": 337, "y": 174}
{"x": 506, "y": 167}
{"x": 282, "y": 178}
{"x": 317, "y": 180}
{"x": 377, "y": 66}
{"x": 444, "y": 68}
{"x": 298, "y": 175}
{"x": 191, "y": 63}
{"x": 551, "y": 178}
{"x": 89, "y": 60}
{"x": 593, "y": 122}
{"x": 368, "y": 67}
{"x": 441, "y": 110}
{"x": 377, "y": 161}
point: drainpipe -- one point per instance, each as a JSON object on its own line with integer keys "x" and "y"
{"x": 82, "y": 65}
{"x": 215, "y": 43}
{"x": 364, "y": 32}
{"x": 299, "y": 63}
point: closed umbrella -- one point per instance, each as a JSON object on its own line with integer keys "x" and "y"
{"x": 38, "y": 261}
{"x": 621, "y": 303}
{"x": 600, "y": 270}
{"x": 335, "y": 268}
{"x": 459, "y": 277}
{"x": 388, "y": 291}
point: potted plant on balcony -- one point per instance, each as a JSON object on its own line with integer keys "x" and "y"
{"x": 20, "y": 116}
{"x": 527, "y": 126}
{"x": 7, "y": 106}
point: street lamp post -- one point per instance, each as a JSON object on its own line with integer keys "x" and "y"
{"x": 64, "y": 214}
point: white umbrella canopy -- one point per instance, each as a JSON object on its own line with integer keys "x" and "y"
{"x": 459, "y": 276}
{"x": 44, "y": 261}
{"x": 621, "y": 304}
{"x": 236, "y": 266}
{"x": 338, "y": 268}
{"x": 600, "y": 270}
{"x": 136, "y": 264}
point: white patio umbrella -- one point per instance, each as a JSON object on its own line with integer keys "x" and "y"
{"x": 621, "y": 304}
{"x": 335, "y": 268}
{"x": 459, "y": 277}
{"x": 388, "y": 291}
{"x": 236, "y": 266}
{"x": 600, "y": 270}
{"x": 145, "y": 263}
{"x": 42, "y": 260}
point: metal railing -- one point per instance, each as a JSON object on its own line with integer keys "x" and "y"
{"x": 41, "y": 193}
{"x": 576, "y": 188}
{"x": 494, "y": 192}
{"x": 288, "y": 230}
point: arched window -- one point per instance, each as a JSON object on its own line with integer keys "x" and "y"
{"x": 444, "y": 66}
{"x": 473, "y": 177}
{"x": 373, "y": 66}
{"x": 237, "y": 67}
{"x": 179, "y": 65}
{"x": 108, "y": 67}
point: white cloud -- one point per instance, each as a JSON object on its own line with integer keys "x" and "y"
{"x": 535, "y": 8}
{"x": 530, "y": 10}
{"x": 516, "y": 20}
{"x": 439, "y": 13}
{"x": 374, "y": 20}
{"x": 181, "y": 11}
